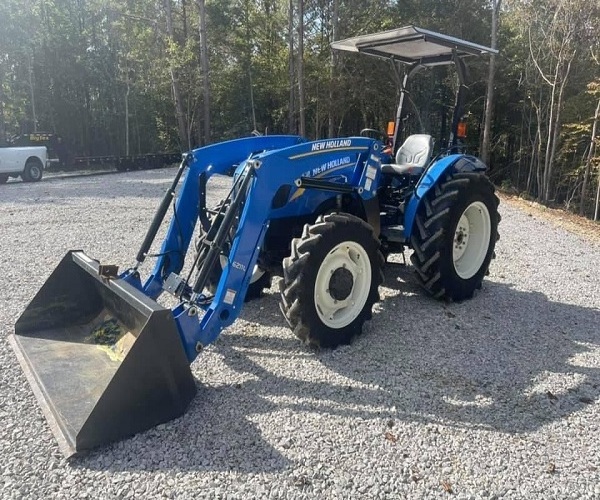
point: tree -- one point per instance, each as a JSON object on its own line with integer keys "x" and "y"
{"x": 555, "y": 35}
{"x": 204, "y": 69}
{"x": 292, "y": 103}
{"x": 332, "y": 68}
{"x": 489, "y": 102}
{"x": 301, "y": 96}
{"x": 177, "y": 97}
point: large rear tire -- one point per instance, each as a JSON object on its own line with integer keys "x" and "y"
{"x": 331, "y": 280}
{"x": 455, "y": 233}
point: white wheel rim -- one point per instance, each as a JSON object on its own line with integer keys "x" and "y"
{"x": 34, "y": 172}
{"x": 471, "y": 240}
{"x": 338, "y": 313}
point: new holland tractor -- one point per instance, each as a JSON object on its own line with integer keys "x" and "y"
{"x": 106, "y": 361}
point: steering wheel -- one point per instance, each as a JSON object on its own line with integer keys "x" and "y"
{"x": 369, "y": 132}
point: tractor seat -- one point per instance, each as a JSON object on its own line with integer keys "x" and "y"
{"x": 412, "y": 157}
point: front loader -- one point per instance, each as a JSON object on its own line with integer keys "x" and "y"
{"x": 105, "y": 360}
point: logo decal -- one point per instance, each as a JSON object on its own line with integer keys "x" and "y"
{"x": 339, "y": 143}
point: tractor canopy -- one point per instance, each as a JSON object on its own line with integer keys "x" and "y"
{"x": 418, "y": 48}
{"x": 414, "y": 46}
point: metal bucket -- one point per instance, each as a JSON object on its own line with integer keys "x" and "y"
{"x": 104, "y": 360}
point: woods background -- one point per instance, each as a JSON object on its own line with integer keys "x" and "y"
{"x": 138, "y": 76}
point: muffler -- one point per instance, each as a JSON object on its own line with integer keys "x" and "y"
{"x": 104, "y": 360}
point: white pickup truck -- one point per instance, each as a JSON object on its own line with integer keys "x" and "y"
{"x": 26, "y": 162}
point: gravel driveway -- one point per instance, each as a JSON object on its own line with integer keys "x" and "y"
{"x": 497, "y": 397}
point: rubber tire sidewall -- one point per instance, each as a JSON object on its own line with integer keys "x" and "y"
{"x": 317, "y": 333}
{"x": 460, "y": 288}
{"x": 29, "y": 166}
{"x": 447, "y": 202}
{"x": 254, "y": 290}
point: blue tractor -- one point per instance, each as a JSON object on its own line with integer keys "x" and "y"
{"x": 106, "y": 360}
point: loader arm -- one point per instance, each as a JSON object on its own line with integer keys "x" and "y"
{"x": 201, "y": 164}
{"x": 103, "y": 358}
{"x": 200, "y": 323}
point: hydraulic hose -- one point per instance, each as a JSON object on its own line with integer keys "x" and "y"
{"x": 159, "y": 216}
{"x": 216, "y": 245}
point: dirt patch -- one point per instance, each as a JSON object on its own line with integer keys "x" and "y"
{"x": 573, "y": 223}
{"x": 112, "y": 337}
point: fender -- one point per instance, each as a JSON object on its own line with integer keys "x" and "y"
{"x": 455, "y": 163}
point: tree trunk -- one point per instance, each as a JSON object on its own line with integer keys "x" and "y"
{"x": 204, "y": 69}
{"x": 127, "y": 114}
{"x": 254, "y": 126}
{"x": 588, "y": 162}
{"x": 555, "y": 130}
{"x": 2, "y": 122}
{"x": 182, "y": 129}
{"x": 538, "y": 151}
{"x": 301, "y": 67}
{"x": 184, "y": 18}
{"x": 489, "y": 101}
{"x": 332, "y": 65}
{"x": 597, "y": 199}
{"x": 547, "y": 166}
{"x": 292, "y": 104}
{"x": 32, "y": 94}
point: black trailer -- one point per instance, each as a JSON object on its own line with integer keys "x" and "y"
{"x": 124, "y": 163}
{"x": 60, "y": 158}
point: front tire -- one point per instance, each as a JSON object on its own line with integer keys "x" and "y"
{"x": 331, "y": 280}
{"x": 260, "y": 280}
{"x": 33, "y": 170}
{"x": 456, "y": 229}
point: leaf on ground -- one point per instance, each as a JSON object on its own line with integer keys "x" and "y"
{"x": 551, "y": 469}
{"x": 551, "y": 396}
{"x": 391, "y": 437}
{"x": 447, "y": 486}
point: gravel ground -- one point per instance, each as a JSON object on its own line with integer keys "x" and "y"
{"x": 497, "y": 397}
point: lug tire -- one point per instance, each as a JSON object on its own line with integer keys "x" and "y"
{"x": 336, "y": 235}
{"x": 33, "y": 171}
{"x": 255, "y": 289}
{"x": 445, "y": 266}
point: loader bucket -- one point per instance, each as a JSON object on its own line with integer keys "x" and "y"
{"x": 103, "y": 360}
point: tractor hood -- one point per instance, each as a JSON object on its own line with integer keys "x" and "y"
{"x": 412, "y": 45}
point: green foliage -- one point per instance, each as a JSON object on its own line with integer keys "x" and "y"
{"x": 71, "y": 67}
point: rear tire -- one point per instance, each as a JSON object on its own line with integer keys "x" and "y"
{"x": 33, "y": 170}
{"x": 455, "y": 233}
{"x": 331, "y": 280}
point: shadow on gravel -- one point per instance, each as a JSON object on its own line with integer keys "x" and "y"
{"x": 508, "y": 361}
